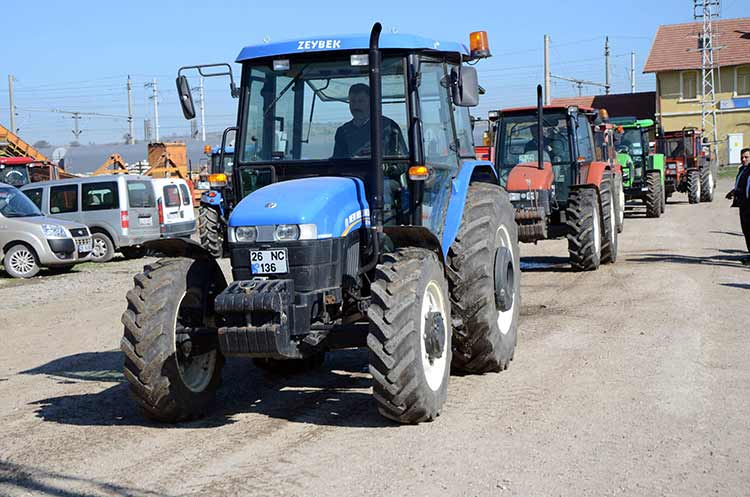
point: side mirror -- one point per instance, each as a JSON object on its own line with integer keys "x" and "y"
{"x": 186, "y": 98}
{"x": 465, "y": 87}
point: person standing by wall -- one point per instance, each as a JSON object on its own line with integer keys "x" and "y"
{"x": 740, "y": 196}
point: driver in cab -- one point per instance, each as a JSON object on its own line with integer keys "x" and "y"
{"x": 353, "y": 138}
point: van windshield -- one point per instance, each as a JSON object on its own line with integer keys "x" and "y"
{"x": 13, "y": 203}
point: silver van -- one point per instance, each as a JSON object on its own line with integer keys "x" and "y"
{"x": 29, "y": 240}
{"x": 119, "y": 209}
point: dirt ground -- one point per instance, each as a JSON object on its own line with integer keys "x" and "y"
{"x": 632, "y": 380}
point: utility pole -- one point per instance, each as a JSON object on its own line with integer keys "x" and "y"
{"x": 606, "y": 65}
{"x": 632, "y": 72}
{"x": 12, "y": 104}
{"x": 76, "y": 117}
{"x": 131, "y": 123}
{"x": 203, "y": 111}
{"x": 547, "y": 96}
{"x": 155, "y": 97}
{"x": 707, "y": 10}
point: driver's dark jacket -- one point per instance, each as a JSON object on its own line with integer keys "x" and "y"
{"x": 352, "y": 140}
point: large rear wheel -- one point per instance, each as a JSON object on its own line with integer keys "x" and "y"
{"x": 609, "y": 221}
{"x": 654, "y": 194}
{"x": 707, "y": 184}
{"x": 584, "y": 221}
{"x": 410, "y": 336}
{"x": 172, "y": 359}
{"x": 484, "y": 276}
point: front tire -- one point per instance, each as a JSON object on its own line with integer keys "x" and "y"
{"x": 173, "y": 374}
{"x": 211, "y": 230}
{"x": 707, "y": 184}
{"x": 583, "y": 218}
{"x": 609, "y": 221}
{"x": 103, "y": 249}
{"x": 694, "y": 186}
{"x": 485, "y": 329}
{"x": 21, "y": 261}
{"x": 410, "y": 336}
{"x": 654, "y": 195}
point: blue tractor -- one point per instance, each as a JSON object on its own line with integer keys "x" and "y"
{"x": 377, "y": 228}
{"x": 216, "y": 204}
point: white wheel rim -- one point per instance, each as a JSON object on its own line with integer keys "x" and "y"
{"x": 505, "y": 318}
{"x": 22, "y": 261}
{"x": 432, "y": 301}
{"x": 698, "y": 189}
{"x": 99, "y": 248}
{"x": 612, "y": 223}
{"x": 597, "y": 232}
{"x": 196, "y": 377}
{"x": 710, "y": 182}
{"x": 622, "y": 205}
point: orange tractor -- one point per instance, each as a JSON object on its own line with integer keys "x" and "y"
{"x": 689, "y": 164}
{"x": 560, "y": 169}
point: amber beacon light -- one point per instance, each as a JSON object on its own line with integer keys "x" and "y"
{"x": 479, "y": 45}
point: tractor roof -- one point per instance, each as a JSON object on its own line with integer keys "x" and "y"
{"x": 16, "y": 161}
{"x": 348, "y": 43}
{"x": 546, "y": 108}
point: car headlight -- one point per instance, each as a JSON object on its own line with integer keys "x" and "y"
{"x": 515, "y": 197}
{"x": 55, "y": 231}
{"x": 286, "y": 232}
{"x": 246, "y": 234}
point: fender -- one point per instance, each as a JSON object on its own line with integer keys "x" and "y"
{"x": 591, "y": 174}
{"x": 414, "y": 236}
{"x": 215, "y": 199}
{"x": 528, "y": 176}
{"x": 459, "y": 190}
{"x": 179, "y": 247}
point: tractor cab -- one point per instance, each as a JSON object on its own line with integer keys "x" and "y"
{"x": 19, "y": 171}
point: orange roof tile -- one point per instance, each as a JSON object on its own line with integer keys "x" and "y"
{"x": 675, "y": 46}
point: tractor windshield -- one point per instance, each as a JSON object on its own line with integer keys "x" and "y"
{"x": 312, "y": 111}
{"x": 518, "y": 141}
{"x": 673, "y": 148}
{"x": 14, "y": 175}
{"x": 631, "y": 143}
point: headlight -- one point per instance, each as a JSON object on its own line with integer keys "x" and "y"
{"x": 246, "y": 234}
{"x": 55, "y": 231}
{"x": 515, "y": 197}
{"x": 286, "y": 232}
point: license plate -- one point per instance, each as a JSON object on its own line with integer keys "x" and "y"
{"x": 84, "y": 247}
{"x": 145, "y": 221}
{"x": 268, "y": 261}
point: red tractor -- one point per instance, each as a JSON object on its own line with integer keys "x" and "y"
{"x": 573, "y": 191}
{"x": 689, "y": 165}
{"x": 18, "y": 171}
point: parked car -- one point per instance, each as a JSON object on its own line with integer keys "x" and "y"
{"x": 29, "y": 240}
{"x": 120, "y": 210}
{"x": 175, "y": 203}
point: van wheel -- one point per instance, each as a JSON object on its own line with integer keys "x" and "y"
{"x": 21, "y": 262}
{"x": 103, "y": 249}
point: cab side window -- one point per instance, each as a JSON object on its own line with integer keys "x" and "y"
{"x": 583, "y": 137}
{"x": 435, "y": 109}
{"x": 63, "y": 199}
{"x": 35, "y": 195}
{"x": 99, "y": 196}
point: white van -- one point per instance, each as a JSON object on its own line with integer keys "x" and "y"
{"x": 175, "y": 203}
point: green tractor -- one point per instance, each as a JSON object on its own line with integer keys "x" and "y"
{"x": 642, "y": 172}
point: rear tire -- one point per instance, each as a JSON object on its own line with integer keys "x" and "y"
{"x": 693, "y": 186}
{"x": 211, "y": 230}
{"x": 707, "y": 184}
{"x": 132, "y": 252}
{"x": 410, "y": 336}
{"x": 584, "y": 229}
{"x": 173, "y": 375}
{"x": 484, "y": 335}
{"x": 103, "y": 249}
{"x": 21, "y": 261}
{"x": 609, "y": 221}
{"x": 654, "y": 195}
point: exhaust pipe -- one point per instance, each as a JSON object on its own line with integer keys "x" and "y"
{"x": 376, "y": 130}
{"x": 540, "y": 129}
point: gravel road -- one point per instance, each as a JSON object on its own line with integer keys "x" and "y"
{"x": 632, "y": 380}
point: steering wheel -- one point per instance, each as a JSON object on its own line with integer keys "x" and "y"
{"x": 18, "y": 182}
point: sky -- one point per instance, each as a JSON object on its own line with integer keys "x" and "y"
{"x": 75, "y": 56}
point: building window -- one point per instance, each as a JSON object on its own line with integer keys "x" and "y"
{"x": 742, "y": 80}
{"x": 689, "y": 85}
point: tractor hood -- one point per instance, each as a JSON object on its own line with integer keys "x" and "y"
{"x": 334, "y": 205}
{"x": 527, "y": 176}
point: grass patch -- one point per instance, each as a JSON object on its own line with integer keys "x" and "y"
{"x": 728, "y": 171}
